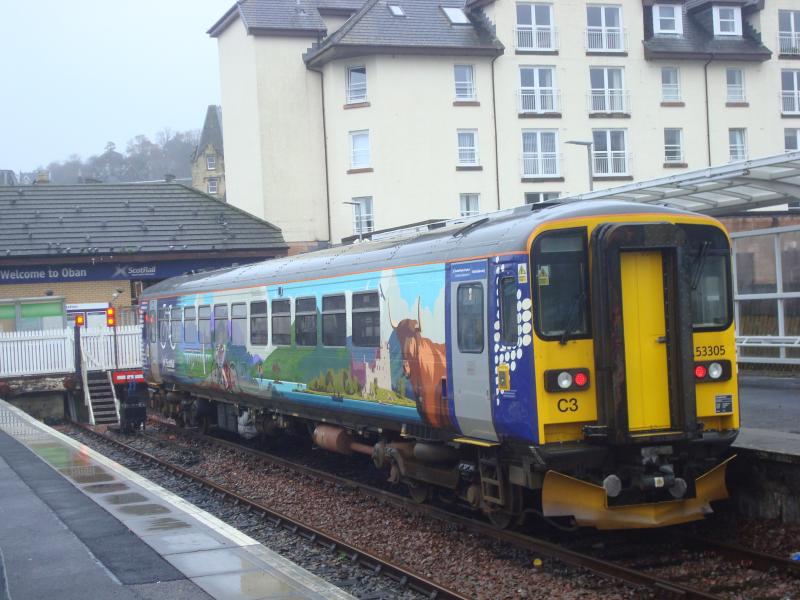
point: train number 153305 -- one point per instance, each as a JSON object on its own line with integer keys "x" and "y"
{"x": 700, "y": 351}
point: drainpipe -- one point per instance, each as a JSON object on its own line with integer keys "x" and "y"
{"x": 325, "y": 150}
{"x": 494, "y": 119}
{"x": 708, "y": 116}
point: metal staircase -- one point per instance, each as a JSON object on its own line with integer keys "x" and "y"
{"x": 101, "y": 398}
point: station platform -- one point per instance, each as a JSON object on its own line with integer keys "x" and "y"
{"x": 770, "y": 417}
{"x": 75, "y": 525}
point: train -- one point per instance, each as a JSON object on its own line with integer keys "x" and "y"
{"x": 574, "y": 361}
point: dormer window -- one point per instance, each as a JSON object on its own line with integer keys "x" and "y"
{"x": 727, "y": 20}
{"x": 211, "y": 162}
{"x": 397, "y": 10}
{"x": 667, "y": 19}
{"x": 456, "y": 15}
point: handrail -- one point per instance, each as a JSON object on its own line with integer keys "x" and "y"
{"x": 113, "y": 393}
{"x": 87, "y": 398}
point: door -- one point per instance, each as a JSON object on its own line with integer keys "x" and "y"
{"x": 644, "y": 322}
{"x": 469, "y": 354}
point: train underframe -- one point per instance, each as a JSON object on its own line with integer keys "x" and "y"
{"x": 584, "y": 484}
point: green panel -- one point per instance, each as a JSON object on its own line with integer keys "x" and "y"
{"x": 42, "y": 309}
{"x": 7, "y": 311}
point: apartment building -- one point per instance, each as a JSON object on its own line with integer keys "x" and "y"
{"x": 344, "y": 116}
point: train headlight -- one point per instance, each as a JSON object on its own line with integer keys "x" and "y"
{"x": 715, "y": 370}
{"x": 564, "y": 380}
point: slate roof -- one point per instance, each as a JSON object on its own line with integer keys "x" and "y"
{"x": 425, "y": 26}
{"x": 283, "y": 16}
{"x": 698, "y": 40}
{"x": 212, "y": 131}
{"x": 101, "y": 219}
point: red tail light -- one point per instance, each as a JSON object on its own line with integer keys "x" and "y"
{"x": 700, "y": 371}
{"x": 581, "y": 379}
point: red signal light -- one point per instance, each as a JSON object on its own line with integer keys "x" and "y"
{"x": 700, "y": 371}
{"x": 581, "y": 379}
{"x": 80, "y": 320}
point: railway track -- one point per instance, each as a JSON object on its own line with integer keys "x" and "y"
{"x": 617, "y": 569}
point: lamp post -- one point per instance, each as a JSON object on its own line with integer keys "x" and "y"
{"x": 589, "y": 157}
{"x": 359, "y": 224}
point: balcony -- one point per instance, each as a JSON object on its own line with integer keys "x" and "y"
{"x": 790, "y": 102}
{"x": 536, "y": 39}
{"x": 465, "y": 91}
{"x": 609, "y": 101}
{"x": 605, "y": 39}
{"x": 673, "y": 154}
{"x": 736, "y": 93}
{"x": 540, "y": 164}
{"x": 789, "y": 43}
{"x": 610, "y": 163}
{"x": 670, "y": 92}
{"x": 539, "y": 101}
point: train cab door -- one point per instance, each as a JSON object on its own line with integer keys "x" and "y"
{"x": 151, "y": 342}
{"x": 468, "y": 347}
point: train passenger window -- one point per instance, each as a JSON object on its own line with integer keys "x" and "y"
{"x": 366, "y": 320}
{"x": 176, "y": 325}
{"x": 334, "y": 321}
{"x": 190, "y": 325}
{"x": 163, "y": 324}
{"x": 508, "y": 311}
{"x": 305, "y": 321}
{"x": 561, "y": 284}
{"x": 220, "y": 324}
{"x": 281, "y": 322}
{"x": 238, "y": 324}
{"x": 204, "y": 324}
{"x": 469, "y": 317}
{"x": 258, "y": 323}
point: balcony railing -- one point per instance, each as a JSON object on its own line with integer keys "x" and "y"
{"x": 788, "y": 42}
{"x": 465, "y": 90}
{"x": 670, "y": 92}
{"x": 363, "y": 224}
{"x": 540, "y": 164}
{"x": 737, "y": 152}
{"x": 605, "y": 39}
{"x": 359, "y": 158}
{"x": 736, "y": 92}
{"x": 356, "y": 93}
{"x": 610, "y": 162}
{"x": 673, "y": 153}
{"x": 539, "y": 100}
{"x": 790, "y": 102}
{"x": 530, "y": 37}
{"x": 467, "y": 156}
{"x": 609, "y": 101}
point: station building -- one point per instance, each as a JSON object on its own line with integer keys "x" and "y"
{"x": 100, "y": 245}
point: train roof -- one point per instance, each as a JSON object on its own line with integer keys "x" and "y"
{"x": 493, "y": 233}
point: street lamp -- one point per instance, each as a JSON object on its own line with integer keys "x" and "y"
{"x": 589, "y": 156}
{"x": 358, "y": 218}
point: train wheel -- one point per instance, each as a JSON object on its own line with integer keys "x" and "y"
{"x": 501, "y": 519}
{"x": 419, "y": 492}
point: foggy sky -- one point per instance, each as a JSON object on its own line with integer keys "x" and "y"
{"x": 75, "y": 74}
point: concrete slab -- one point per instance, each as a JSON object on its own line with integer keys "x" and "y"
{"x": 769, "y": 441}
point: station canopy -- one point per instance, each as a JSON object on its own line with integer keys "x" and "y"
{"x": 716, "y": 191}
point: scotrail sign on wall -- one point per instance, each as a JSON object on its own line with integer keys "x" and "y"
{"x": 105, "y": 271}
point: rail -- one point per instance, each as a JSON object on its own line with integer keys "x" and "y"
{"x": 532, "y": 37}
{"x": 605, "y": 39}
{"x": 604, "y": 100}
{"x": 789, "y": 43}
{"x": 533, "y": 100}
{"x": 790, "y": 102}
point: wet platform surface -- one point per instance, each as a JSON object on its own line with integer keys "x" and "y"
{"x": 770, "y": 417}
{"x": 75, "y": 524}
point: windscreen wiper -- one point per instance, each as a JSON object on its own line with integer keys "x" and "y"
{"x": 574, "y": 315}
{"x": 701, "y": 262}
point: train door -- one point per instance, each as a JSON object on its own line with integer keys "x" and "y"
{"x": 469, "y": 349}
{"x": 152, "y": 341}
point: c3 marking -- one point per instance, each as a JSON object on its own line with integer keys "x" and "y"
{"x": 567, "y": 405}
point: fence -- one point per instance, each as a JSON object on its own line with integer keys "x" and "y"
{"x": 52, "y": 352}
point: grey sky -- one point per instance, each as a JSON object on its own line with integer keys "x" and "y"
{"x": 79, "y": 73}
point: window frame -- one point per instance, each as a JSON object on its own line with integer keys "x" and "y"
{"x": 737, "y": 21}
{"x": 396, "y": 10}
{"x": 201, "y": 339}
{"x": 743, "y": 130}
{"x": 476, "y": 161}
{"x": 682, "y": 158}
{"x": 359, "y": 311}
{"x": 729, "y": 86}
{"x": 471, "y": 82}
{"x": 350, "y": 97}
{"x": 463, "y": 202}
{"x": 334, "y": 311}
{"x": 233, "y": 320}
{"x": 678, "y": 18}
{"x": 298, "y": 315}
{"x": 368, "y": 217}
{"x": 187, "y": 320}
{"x": 280, "y": 315}
{"x": 218, "y": 308}
{"x": 608, "y": 131}
{"x": 176, "y": 325}
{"x": 787, "y": 135}
{"x": 678, "y": 96}
{"x": 259, "y": 315}
{"x": 503, "y": 280}
{"x": 212, "y": 185}
{"x": 459, "y": 340}
{"x": 211, "y": 162}
{"x": 352, "y": 136}
{"x": 540, "y": 157}
{"x": 543, "y": 197}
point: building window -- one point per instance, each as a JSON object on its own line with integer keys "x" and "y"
{"x": 212, "y": 185}
{"x": 673, "y": 145}
{"x": 470, "y": 204}
{"x": 362, "y": 215}
{"x": 465, "y": 82}
{"x": 537, "y": 92}
{"x": 734, "y": 79}
{"x": 238, "y": 324}
{"x": 670, "y": 85}
{"x": 535, "y": 29}
{"x": 607, "y": 93}
{"x": 281, "y": 322}
{"x": 334, "y": 321}
{"x": 604, "y": 29}
{"x": 211, "y": 161}
{"x": 456, "y": 15}
{"x": 366, "y": 320}
{"x": 356, "y": 84}
{"x": 359, "y": 149}
{"x": 667, "y": 19}
{"x": 737, "y": 143}
{"x": 789, "y": 31}
{"x": 305, "y": 321}
{"x": 610, "y": 152}
{"x": 468, "y": 147}
{"x": 727, "y": 20}
{"x": 538, "y": 197}
{"x": 539, "y": 153}
{"x": 397, "y": 10}
{"x": 790, "y": 91}
{"x": 259, "y": 334}
{"x": 791, "y": 139}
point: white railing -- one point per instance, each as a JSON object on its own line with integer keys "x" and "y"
{"x": 465, "y": 91}
{"x": 609, "y": 101}
{"x": 737, "y": 152}
{"x": 540, "y": 164}
{"x": 670, "y": 92}
{"x": 359, "y": 158}
{"x": 356, "y": 93}
{"x": 530, "y": 37}
{"x": 610, "y": 162}
{"x": 605, "y": 39}
{"x": 788, "y": 42}
{"x": 790, "y": 102}
{"x": 539, "y": 100}
{"x": 25, "y": 353}
{"x": 673, "y": 153}
{"x": 736, "y": 92}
